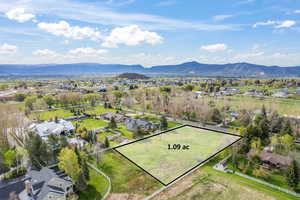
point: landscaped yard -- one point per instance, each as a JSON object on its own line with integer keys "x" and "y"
{"x": 125, "y": 132}
{"x": 125, "y": 176}
{"x": 50, "y": 115}
{"x": 97, "y": 110}
{"x": 101, "y": 136}
{"x": 97, "y": 187}
{"x": 91, "y": 124}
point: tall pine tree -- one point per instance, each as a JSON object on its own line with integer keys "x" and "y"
{"x": 292, "y": 175}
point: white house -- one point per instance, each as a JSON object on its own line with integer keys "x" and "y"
{"x": 47, "y": 128}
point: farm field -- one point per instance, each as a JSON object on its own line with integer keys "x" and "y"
{"x": 155, "y": 156}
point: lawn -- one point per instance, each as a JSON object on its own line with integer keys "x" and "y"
{"x": 91, "y": 124}
{"x": 125, "y": 132}
{"x": 97, "y": 110}
{"x": 155, "y": 156}
{"x": 126, "y": 177}
{"x": 97, "y": 187}
{"x": 173, "y": 124}
{"x": 101, "y": 136}
{"x": 50, "y": 115}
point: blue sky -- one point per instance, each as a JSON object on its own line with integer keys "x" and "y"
{"x": 150, "y": 32}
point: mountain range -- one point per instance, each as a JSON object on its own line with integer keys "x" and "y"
{"x": 184, "y": 69}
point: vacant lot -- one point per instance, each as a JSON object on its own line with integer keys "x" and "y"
{"x": 169, "y": 155}
{"x": 209, "y": 184}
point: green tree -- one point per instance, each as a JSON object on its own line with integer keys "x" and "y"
{"x": 215, "y": 115}
{"x": 10, "y": 157}
{"x": 68, "y": 161}
{"x": 163, "y": 123}
{"x": 292, "y": 175}
{"x": 37, "y": 149}
{"x": 112, "y": 123}
{"x": 287, "y": 128}
{"x": 20, "y": 97}
{"x": 106, "y": 142}
{"x": 29, "y": 102}
{"x": 287, "y": 141}
{"x": 49, "y": 100}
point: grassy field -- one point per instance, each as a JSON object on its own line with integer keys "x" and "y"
{"x": 154, "y": 155}
{"x": 97, "y": 110}
{"x": 126, "y": 177}
{"x": 50, "y": 115}
{"x": 97, "y": 187}
{"x": 209, "y": 184}
{"x": 91, "y": 124}
{"x": 282, "y": 106}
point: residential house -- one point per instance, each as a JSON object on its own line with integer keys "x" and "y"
{"x": 281, "y": 95}
{"x": 274, "y": 160}
{"x": 119, "y": 118}
{"x": 47, "y": 128}
{"x": 198, "y": 94}
{"x": 133, "y": 124}
{"x": 43, "y": 184}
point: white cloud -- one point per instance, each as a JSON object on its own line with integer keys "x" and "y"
{"x": 45, "y": 52}
{"x": 297, "y": 11}
{"x": 222, "y": 17}
{"x": 286, "y": 24}
{"x": 212, "y": 48}
{"x": 19, "y": 15}
{"x": 267, "y": 23}
{"x": 71, "y": 54}
{"x": 276, "y": 24}
{"x": 63, "y": 28}
{"x": 131, "y": 35}
{"x": 8, "y": 49}
{"x": 98, "y": 12}
{"x": 87, "y": 51}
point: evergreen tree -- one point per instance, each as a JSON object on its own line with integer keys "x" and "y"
{"x": 163, "y": 123}
{"x": 287, "y": 128}
{"x": 106, "y": 142}
{"x": 263, "y": 128}
{"x": 292, "y": 175}
{"x": 37, "y": 150}
{"x": 138, "y": 132}
{"x": 112, "y": 123}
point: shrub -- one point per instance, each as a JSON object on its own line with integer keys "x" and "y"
{"x": 15, "y": 173}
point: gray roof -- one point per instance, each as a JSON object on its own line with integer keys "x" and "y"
{"x": 46, "y": 128}
{"x": 48, "y": 180}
